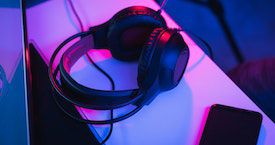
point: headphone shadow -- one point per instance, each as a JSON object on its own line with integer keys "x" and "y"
{"x": 167, "y": 120}
{"x": 124, "y": 74}
{"x": 168, "y": 116}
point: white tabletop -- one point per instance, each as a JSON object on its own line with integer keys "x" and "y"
{"x": 176, "y": 117}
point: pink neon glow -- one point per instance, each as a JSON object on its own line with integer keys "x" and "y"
{"x": 100, "y": 55}
{"x": 203, "y": 122}
{"x": 185, "y": 105}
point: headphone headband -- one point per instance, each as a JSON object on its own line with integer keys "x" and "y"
{"x": 88, "y": 97}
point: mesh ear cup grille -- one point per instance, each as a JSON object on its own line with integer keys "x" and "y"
{"x": 147, "y": 53}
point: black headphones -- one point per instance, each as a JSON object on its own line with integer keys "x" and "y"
{"x": 135, "y": 33}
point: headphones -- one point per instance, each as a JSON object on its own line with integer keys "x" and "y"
{"x": 135, "y": 33}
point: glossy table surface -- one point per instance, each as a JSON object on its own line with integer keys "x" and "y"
{"x": 175, "y": 117}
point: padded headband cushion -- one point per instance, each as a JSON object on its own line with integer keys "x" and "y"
{"x": 147, "y": 53}
{"x": 163, "y": 60}
{"x": 129, "y": 30}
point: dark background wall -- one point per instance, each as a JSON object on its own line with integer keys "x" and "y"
{"x": 251, "y": 21}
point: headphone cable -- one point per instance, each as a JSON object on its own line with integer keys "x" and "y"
{"x": 86, "y": 54}
{"x": 97, "y": 67}
{"x": 76, "y": 15}
{"x": 208, "y": 47}
{"x": 162, "y": 5}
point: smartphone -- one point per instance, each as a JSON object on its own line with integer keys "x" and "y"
{"x": 227, "y": 125}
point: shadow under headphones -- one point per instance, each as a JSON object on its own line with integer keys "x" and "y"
{"x": 135, "y": 33}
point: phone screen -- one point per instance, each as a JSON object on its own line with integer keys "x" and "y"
{"x": 231, "y": 126}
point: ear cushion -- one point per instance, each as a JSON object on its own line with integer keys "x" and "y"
{"x": 129, "y": 30}
{"x": 147, "y": 53}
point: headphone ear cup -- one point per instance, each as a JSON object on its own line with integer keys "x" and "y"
{"x": 147, "y": 54}
{"x": 129, "y": 29}
{"x": 162, "y": 63}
